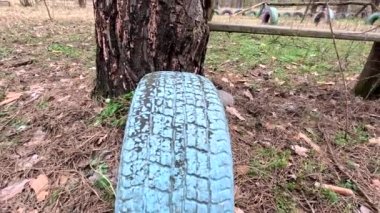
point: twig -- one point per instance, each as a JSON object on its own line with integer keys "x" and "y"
{"x": 48, "y": 11}
{"x": 340, "y": 69}
{"x": 342, "y": 169}
{"x": 308, "y": 203}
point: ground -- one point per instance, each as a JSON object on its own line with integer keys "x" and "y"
{"x": 293, "y": 123}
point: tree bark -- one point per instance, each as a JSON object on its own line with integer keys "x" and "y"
{"x": 82, "y": 3}
{"x": 136, "y": 37}
{"x": 368, "y": 84}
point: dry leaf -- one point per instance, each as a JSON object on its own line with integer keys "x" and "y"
{"x": 63, "y": 180}
{"x": 238, "y": 210}
{"x": 326, "y": 83}
{"x": 363, "y": 209}
{"x": 242, "y": 169}
{"x": 40, "y": 186}
{"x": 248, "y": 94}
{"x": 37, "y": 139}
{"x": 233, "y": 111}
{"x": 374, "y": 141}
{"x": 12, "y": 190}
{"x": 270, "y": 126}
{"x": 226, "y": 98}
{"x": 337, "y": 189}
{"x": 309, "y": 141}
{"x": 301, "y": 151}
{"x": 376, "y": 185}
{"x": 28, "y": 162}
{"x": 12, "y": 96}
{"x": 225, "y": 80}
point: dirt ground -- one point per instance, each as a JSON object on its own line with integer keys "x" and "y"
{"x": 288, "y": 136}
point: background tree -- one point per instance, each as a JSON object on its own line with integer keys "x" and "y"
{"x": 82, "y": 3}
{"x": 135, "y": 37}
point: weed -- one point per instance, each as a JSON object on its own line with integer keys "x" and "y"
{"x": 349, "y": 185}
{"x": 360, "y": 135}
{"x": 342, "y": 139}
{"x": 4, "y": 52}
{"x": 267, "y": 160}
{"x": 284, "y": 202}
{"x": 55, "y": 195}
{"x": 329, "y": 195}
{"x": 102, "y": 182}
{"x": 115, "y": 111}
{"x": 42, "y": 105}
{"x": 64, "y": 49}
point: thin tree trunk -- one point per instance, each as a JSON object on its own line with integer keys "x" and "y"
{"x": 140, "y": 36}
{"x": 369, "y": 80}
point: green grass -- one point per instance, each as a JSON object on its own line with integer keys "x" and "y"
{"x": 64, "y": 49}
{"x": 244, "y": 52}
{"x": 330, "y": 196}
{"x": 267, "y": 160}
{"x": 103, "y": 183}
{"x": 284, "y": 202}
{"x": 360, "y": 135}
{"x": 4, "y": 52}
{"x": 115, "y": 112}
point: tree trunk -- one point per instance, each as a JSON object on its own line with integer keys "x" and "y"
{"x": 136, "y": 37}
{"x": 82, "y": 3}
{"x": 369, "y": 80}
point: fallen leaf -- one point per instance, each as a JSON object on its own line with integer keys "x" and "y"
{"x": 337, "y": 189}
{"x": 63, "y": 180}
{"x": 310, "y": 142}
{"x": 326, "y": 83}
{"x": 225, "y": 80}
{"x": 376, "y": 185}
{"x": 248, "y": 94}
{"x": 238, "y": 210}
{"x": 37, "y": 139}
{"x": 370, "y": 127}
{"x": 374, "y": 141}
{"x": 363, "y": 209}
{"x": 28, "y": 162}
{"x": 242, "y": 169}
{"x": 233, "y": 111}
{"x": 10, "y": 97}
{"x": 40, "y": 186}
{"x": 301, "y": 151}
{"x": 262, "y": 66}
{"x": 12, "y": 190}
{"x": 226, "y": 98}
{"x": 270, "y": 126}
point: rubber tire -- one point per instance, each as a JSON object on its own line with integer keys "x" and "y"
{"x": 373, "y": 18}
{"x": 227, "y": 12}
{"x": 176, "y": 153}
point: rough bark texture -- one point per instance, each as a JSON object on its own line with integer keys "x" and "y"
{"x": 369, "y": 80}
{"x": 135, "y": 37}
{"x": 82, "y": 3}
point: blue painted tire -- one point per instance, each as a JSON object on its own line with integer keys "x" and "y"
{"x": 373, "y": 18}
{"x": 176, "y": 153}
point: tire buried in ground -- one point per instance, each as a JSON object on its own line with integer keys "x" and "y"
{"x": 176, "y": 152}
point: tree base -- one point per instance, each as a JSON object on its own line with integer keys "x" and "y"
{"x": 368, "y": 85}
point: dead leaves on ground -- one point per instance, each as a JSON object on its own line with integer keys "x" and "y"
{"x": 374, "y": 141}
{"x": 37, "y": 139}
{"x": 40, "y": 185}
{"x": 11, "y": 97}
{"x": 235, "y": 112}
{"x": 12, "y": 190}
{"x": 309, "y": 141}
{"x": 242, "y": 169}
{"x": 301, "y": 151}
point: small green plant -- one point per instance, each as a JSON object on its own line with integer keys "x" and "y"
{"x": 349, "y": 185}
{"x": 54, "y": 196}
{"x": 115, "y": 111}
{"x": 64, "y": 49}
{"x": 361, "y": 134}
{"x": 284, "y": 202}
{"x": 329, "y": 195}
{"x": 102, "y": 182}
{"x": 4, "y": 52}
{"x": 268, "y": 160}
{"x": 342, "y": 139}
{"x": 42, "y": 105}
